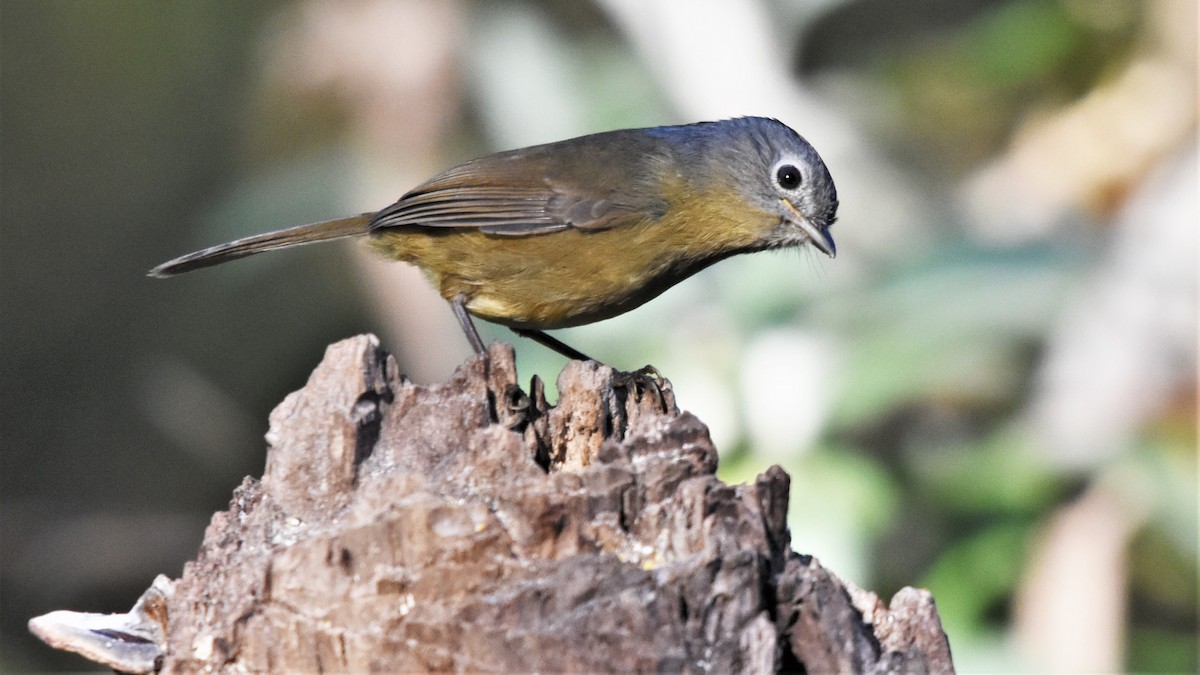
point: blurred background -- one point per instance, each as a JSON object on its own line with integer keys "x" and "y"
{"x": 990, "y": 393}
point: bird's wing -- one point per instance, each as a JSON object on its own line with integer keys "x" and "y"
{"x": 593, "y": 184}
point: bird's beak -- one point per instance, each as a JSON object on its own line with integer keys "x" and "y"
{"x": 817, "y": 236}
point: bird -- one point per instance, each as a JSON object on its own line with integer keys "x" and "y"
{"x": 581, "y": 230}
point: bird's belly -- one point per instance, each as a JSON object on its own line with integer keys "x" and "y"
{"x": 562, "y": 279}
{"x": 545, "y": 297}
{"x": 560, "y": 307}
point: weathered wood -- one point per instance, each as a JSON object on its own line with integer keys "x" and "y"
{"x": 469, "y": 526}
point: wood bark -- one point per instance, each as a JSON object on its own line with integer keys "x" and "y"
{"x": 469, "y": 525}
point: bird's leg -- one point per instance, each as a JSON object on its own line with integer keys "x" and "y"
{"x": 459, "y": 303}
{"x": 645, "y": 379}
{"x": 513, "y": 410}
{"x": 557, "y": 345}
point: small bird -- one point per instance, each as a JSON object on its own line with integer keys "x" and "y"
{"x": 581, "y": 230}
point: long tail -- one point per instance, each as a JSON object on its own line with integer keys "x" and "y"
{"x": 351, "y": 226}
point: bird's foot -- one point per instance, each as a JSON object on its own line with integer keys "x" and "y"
{"x": 646, "y": 380}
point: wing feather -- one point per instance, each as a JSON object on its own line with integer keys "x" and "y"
{"x": 531, "y": 191}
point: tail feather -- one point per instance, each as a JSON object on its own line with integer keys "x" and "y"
{"x": 293, "y": 236}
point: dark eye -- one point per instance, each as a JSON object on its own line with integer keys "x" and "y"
{"x": 788, "y": 177}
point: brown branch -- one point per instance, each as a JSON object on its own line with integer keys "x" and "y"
{"x": 469, "y": 526}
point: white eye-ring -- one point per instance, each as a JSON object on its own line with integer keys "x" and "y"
{"x": 788, "y": 175}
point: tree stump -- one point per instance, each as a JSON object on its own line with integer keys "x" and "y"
{"x": 468, "y": 525}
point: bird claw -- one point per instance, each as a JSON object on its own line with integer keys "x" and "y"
{"x": 513, "y": 410}
{"x": 644, "y": 380}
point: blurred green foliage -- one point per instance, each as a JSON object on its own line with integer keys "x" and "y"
{"x": 132, "y": 131}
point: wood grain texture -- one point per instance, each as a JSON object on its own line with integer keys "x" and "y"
{"x": 470, "y": 526}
